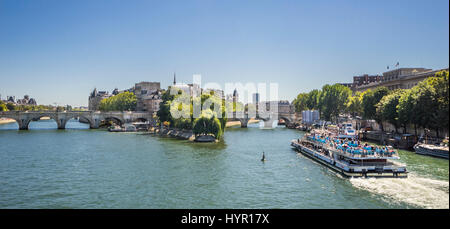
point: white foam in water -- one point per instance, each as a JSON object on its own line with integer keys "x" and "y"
{"x": 418, "y": 191}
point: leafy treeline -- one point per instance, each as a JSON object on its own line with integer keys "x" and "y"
{"x": 125, "y": 101}
{"x": 25, "y": 107}
{"x": 425, "y": 105}
{"x": 209, "y": 122}
{"x": 331, "y": 101}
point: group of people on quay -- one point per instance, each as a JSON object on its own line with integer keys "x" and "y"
{"x": 351, "y": 146}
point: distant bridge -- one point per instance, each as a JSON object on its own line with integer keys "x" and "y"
{"x": 289, "y": 118}
{"x": 94, "y": 118}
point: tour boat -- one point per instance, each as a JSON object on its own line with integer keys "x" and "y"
{"x": 348, "y": 157}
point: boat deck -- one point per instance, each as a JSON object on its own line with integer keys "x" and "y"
{"x": 366, "y": 169}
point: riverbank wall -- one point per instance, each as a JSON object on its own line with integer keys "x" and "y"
{"x": 174, "y": 132}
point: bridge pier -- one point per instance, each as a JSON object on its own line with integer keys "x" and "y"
{"x": 94, "y": 126}
{"x": 244, "y": 123}
{"x": 61, "y": 124}
{"x": 23, "y": 124}
{"x": 23, "y": 127}
{"x": 95, "y": 123}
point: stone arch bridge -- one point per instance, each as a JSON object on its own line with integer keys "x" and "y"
{"x": 244, "y": 118}
{"x": 94, "y": 118}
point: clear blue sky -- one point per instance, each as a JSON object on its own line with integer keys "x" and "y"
{"x": 58, "y": 51}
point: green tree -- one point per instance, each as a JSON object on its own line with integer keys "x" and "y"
{"x": 11, "y": 106}
{"x": 407, "y": 113}
{"x": 3, "y": 106}
{"x": 333, "y": 101}
{"x": 432, "y": 102}
{"x": 387, "y": 108}
{"x": 426, "y": 104}
{"x": 440, "y": 84}
{"x": 125, "y": 101}
{"x": 370, "y": 100}
{"x": 206, "y": 124}
{"x": 354, "y": 105}
{"x": 312, "y": 100}
{"x": 300, "y": 102}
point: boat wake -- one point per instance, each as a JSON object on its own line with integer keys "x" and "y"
{"x": 414, "y": 190}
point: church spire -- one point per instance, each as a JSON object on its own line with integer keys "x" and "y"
{"x": 174, "y": 79}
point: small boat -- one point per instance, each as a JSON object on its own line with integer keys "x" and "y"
{"x": 205, "y": 138}
{"x": 126, "y": 128}
{"x": 142, "y": 126}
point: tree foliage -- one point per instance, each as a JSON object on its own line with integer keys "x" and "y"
{"x": 431, "y": 102}
{"x": 354, "y": 105}
{"x": 406, "y": 109}
{"x": 333, "y": 100}
{"x": 211, "y": 120}
{"x": 312, "y": 100}
{"x": 3, "y": 106}
{"x": 387, "y": 108}
{"x": 330, "y": 101}
{"x": 300, "y": 102}
{"x": 208, "y": 123}
{"x": 425, "y": 105}
{"x": 370, "y": 100}
{"x": 9, "y": 106}
{"x": 125, "y": 101}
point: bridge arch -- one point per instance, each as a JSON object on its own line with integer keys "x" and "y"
{"x": 73, "y": 125}
{"x": 287, "y": 120}
{"x": 84, "y": 119}
{"x": 16, "y": 122}
{"x": 38, "y": 117}
{"x": 118, "y": 120}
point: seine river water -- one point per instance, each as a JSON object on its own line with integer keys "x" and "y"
{"x": 81, "y": 168}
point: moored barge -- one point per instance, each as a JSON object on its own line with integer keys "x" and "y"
{"x": 432, "y": 150}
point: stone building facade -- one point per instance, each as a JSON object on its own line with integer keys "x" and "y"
{"x": 95, "y": 98}
{"x": 402, "y": 78}
{"x": 148, "y": 96}
{"x": 365, "y": 79}
{"x": 362, "y": 80}
{"x": 283, "y": 106}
